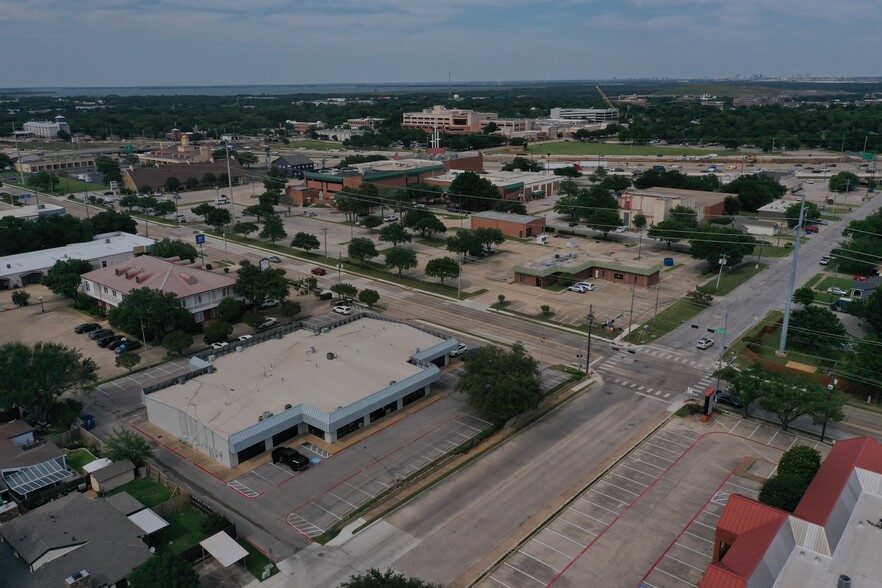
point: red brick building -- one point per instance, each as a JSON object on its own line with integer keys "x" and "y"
{"x": 563, "y": 269}
{"x": 519, "y": 226}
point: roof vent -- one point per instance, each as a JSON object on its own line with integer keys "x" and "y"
{"x": 8, "y": 266}
{"x": 107, "y": 240}
{"x": 266, "y": 414}
{"x": 331, "y": 355}
{"x": 287, "y": 407}
{"x": 844, "y": 581}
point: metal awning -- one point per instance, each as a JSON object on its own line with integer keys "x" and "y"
{"x": 32, "y": 478}
{"x": 224, "y": 549}
{"x": 148, "y": 521}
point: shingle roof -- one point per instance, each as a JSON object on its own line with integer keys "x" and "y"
{"x": 169, "y": 275}
{"x": 296, "y": 159}
{"x": 156, "y": 176}
{"x": 507, "y": 217}
{"x": 113, "y": 470}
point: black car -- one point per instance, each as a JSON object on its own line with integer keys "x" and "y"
{"x": 112, "y": 346}
{"x": 729, "y": 399}
{"x": 296, "y": 460}
{"x": 86, "y": 328}
{"x": 97, "y": 334}
{"x": 127, "y": 346}
{"x": 105, "y": 341}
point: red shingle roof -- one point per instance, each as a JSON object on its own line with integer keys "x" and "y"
{"x": 818, "y": 502}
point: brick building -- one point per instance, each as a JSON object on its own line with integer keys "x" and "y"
{"x": 451, "y": 121}
{"x": 656, "y": 204}
{"x": 564, "y": 269}
{"x": 519, "y": 226}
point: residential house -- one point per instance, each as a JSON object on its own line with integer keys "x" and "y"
{"x": 863, "y": 288}
{"x": 295, "y": 165}
{"x": 28, "y": 466}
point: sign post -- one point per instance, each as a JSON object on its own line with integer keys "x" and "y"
{"x": 200, "y": 240}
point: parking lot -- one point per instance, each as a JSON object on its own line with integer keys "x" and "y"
{"x": 323, "y": 511}
{"x": 652, "y": 517}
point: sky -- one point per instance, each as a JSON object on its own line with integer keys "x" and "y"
{"x": 58, "y": 43}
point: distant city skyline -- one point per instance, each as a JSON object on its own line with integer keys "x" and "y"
{"x": 123, "y": 43}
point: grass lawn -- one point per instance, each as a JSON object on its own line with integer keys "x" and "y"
{"x": 77, "y": 458}
{"x": 256, "y": 561}
{"x": 668, "y": 320}
{"x": 830, "y": 281}
{"x": 830, "y": 217}
{"x": 147, "y": 491}
{"x": 69, "y": 185}
{"x": 837, "y": 209}
{"x": 731, "y": 280}
{"x": 184, "y": 531}
{"x": 437, "y": 243}
{"x": 10, "y": 199}
{"x": 579, "y": 148}
{"x": 769, "y": 250}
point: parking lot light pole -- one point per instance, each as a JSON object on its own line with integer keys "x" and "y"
{"x": 42, "y": 308}
{"x": 720, "y": 275}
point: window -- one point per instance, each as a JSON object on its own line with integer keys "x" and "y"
{"x": 618, "y": 276}
{"x": 105, "y": 289}
{"x": 114, "y": 293}
{"x": 86, "y": 286}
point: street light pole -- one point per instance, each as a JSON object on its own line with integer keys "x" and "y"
{"x": 720, "y": 275}
{"x": 42, "y": 308}
{"x": 782, "y": 346}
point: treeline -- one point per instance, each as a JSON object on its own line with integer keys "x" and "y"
{"x": 21, "y": 236}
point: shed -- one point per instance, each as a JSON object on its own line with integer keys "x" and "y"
{"x": 113, "y": 476}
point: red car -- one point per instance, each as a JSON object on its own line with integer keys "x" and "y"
{"x": 319, "y": 271}
{"x": 811, "y": 229}
{"x": 861, "y": 278}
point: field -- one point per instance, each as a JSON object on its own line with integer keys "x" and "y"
{"x": 579, "y": 148}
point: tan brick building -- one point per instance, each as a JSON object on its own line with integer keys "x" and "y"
{"x": 519, "y": 226}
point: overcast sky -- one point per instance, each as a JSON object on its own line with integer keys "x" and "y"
{"x": 235, "y": 42}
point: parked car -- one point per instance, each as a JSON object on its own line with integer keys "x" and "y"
{"x": 460, "y": 349}
{"x": 275, "y": 259}
{"x": 343, "y": 309}
{"x": 577, "y": 288}
{"x": 860, "y": 278}
{"x": 107, "y": 340}
{"x": 87, "y": 421}
{"x": 245, "y": 337}
{"x": 180, "y": 218}
{"x": 310, "y": 214}
{"x": 390, "y": 218}
{"x": 620, "y": 229}
{"x": 725, "y": 398}
{"x": 269, "y": 303}
{"x": 820, "y": 221}
{"x": 98, "y": 333}
{"x": 290, "y": 457}
{"x": 115, "y": 344}
{"x": 127, "y": 346}
{"x": 573, "y": 224}
{"x": 219, "y": 345}
{"x": 86, "y": 328}
{"x": 825, "y": 260}
{"x": 704, "y": 343}
{"x": 318, "y": 271}
{"x": 587, "y": 285}
{"x": 268, "y": 322}
{"x": 837, "y": 291}
{"x": 811, "y": 229}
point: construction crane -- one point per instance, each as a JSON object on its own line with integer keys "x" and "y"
{"x": 605, "y": 99}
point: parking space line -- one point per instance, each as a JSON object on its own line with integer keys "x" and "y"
{"x": 674, "y": 442}
{"x": 522, "y": 552}
{"x": 623, "y": 489}
{"x": 636, "y": 470}
{"x": 649, "y": 464}
{"x": 598, "y": 506}
{"x": 574, "y": 525}
{"x": 745, "y": 488}
{"x": 316, "y": 504}
{"x": 705, "y": 539}
{"x": 341, "y": 500}
{"x": 606, "y": 495}
{"x": 707, "y": 512}
{"x": 500, "y": 582}
{"x": 625, "y": 383}
{"x": 360, "y": 490}
{"x": 243, "y": 489}
{"x": 757, "y": 429}
{"x": 585, "y": 514}
{"x": 697, "y": 522}
{"x": 690, "y": 439}
{"x": 254, "y": 473}
{"x": 469, "y": 426}
{"x": 653, "y": 455}
{"x": 795, "y": 439}
{"x": 693, "y": 550}
{"x": 534, "y": 540}
{"x": 676, "y": 577}
{"x": 660, "y": 447}
{"x": 629, "y": 479}
{"x": 525, "y": 573}
{"x": 574, "y": 542}
{"x": 702, "y": 570}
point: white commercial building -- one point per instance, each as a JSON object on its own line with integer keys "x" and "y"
{"x": 588, "y": 114}
{"x": 32, "y": 212}
{"x": 105, "y": 250}
{"x": 328, "y": 383}
{"x": 47, "y": 129}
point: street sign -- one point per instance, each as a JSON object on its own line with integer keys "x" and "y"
{"x": 200, "y": 239}
{"x": 721, "y": 331}
{"x": 867, "y": 156}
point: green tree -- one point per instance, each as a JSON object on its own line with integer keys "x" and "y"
{"x": 685, "y": 216}
{"x": 174, "y": 248}
{"x": 164, "y": 208}
{"x": 488, "y": 237}
{"x": 639, "y": 221}
{"x": 501, "y": 384}
{"x": 872, "y": 311}
{"x": 230, "y": 310}
{"x": 125, "y": 444}
{"x": 669, "y": 231}
{"x": 472, "y": 192}
{"x": 273, "y": 229}
{"x": 801, "y": 461}
{"x": 864, "y": 363}
{"x": 510, "y": 206}
{"x": 569, "y": 201}
{"x": 401, "y": 259}
{"x": 463, "y": 242}
{"x": 203, "y": 210}
{"x": 127, "y": 360}
{"x": 371, "y": 222}
{"x": 305, "y": 241}
{"x": 43, "y": 180}
{"x": 790, "y": 396}
{"x": 218, "y": 218}
{"x": 361, "y": 248}
{"x": 177, "y": 342}
{"x": 816, "y": 327}
{"x": 424, "y": 222}
{"x": 256, "y": 285}
{"x": 344, "y": 291}
{"x": 217, "y": 331}
{"x": 843, "y": 182}
{"x": 804, "y": 295}
{"x": 209, "y": 179}
{"x": 864, "y": 253}
{"x": 616, "y": 183}
{"x": 369, "y": 297}
{"x": 63, "y": 278}
{"x": 172, "y": 184}
{"x": 699, "y": 297}
{"x": 754, "y": 190}
{"x": 374, "y": 578}
{"x": 712, "y": 244}
{"x": 290, "y": 308}
{"x": 394, "y": 233}
{"x": 153, "y": 309}
{"x": 33, "y": 378}
{"x": 812, "y": 213}
{"x": 245, "y": 228}
{"x": 604, "y": 220}
{"x": 783, "y": 491}
{"x": 109, "y": 167}
{"x": 164, "y": 569}
{"x": 20, "y": 298}
{"x": 442, "y": 268}
{"x": 570, "y": 172}
{"x": 747, "y": 385}
{"x": 523, "y": 164}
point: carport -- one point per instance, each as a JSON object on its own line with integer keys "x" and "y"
{"x": 223, "y": 548}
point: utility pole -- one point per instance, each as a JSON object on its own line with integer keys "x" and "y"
{"x": 782, "y": 346}
{"x": 325, "y": 234}
{"x": 230, "y": 180}
{"x": 631, "y": 312}
{"x": 722, "y": 347}
{"x": 655, "y": 316}
{"x": 590, "y": 327}
{"x": 723, "y": 261}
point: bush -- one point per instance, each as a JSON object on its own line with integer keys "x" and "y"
{"x": 213, "y": 523}
{"x": 801, "y": 461}
{"x": 783, "y": 492}
{"x": 290, "y": 308}
{"x": 20, "y": 297}
{"x": 208, "y": 266}
{"x": 217, "y": 331}
{"x": 230, "y": 310}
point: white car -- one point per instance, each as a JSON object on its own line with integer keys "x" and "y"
{"x": 460, "y": 349}
{"x": 809, "y": 181}
{"x": 390, "y": 218}
{"x": 269, "y": 303}
{"x": 620, "y": 229}
{"x": 219, "y": 345}
{"x": 245, "y": 337}
{"x": 587, "y": 285}
{"x": 577, "y": 288}
{"x": 704, "y": 343}
{"x": 268, "y": 322}
{"x": 343, "y": 310}
{"x": 837, "y": 291}
{"x": 825, "y": 260}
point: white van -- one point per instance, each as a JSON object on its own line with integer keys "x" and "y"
{"x": 222, "y": 200}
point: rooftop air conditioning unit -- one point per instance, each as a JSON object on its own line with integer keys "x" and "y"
{"x": 330, "y": 355}
{"x": 287, "y": 407}
{"x": 107, "y": 240}
{"x": 266, "y": 414}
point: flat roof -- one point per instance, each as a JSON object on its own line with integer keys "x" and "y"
{"x": 507, "y": 178}
{"x": 568, "y": 265}
{"x": 369, "y": 355}
{"x": 508, "y": 217}
{"x": 102, "y": 246}
{"x": 32, "y": 211}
